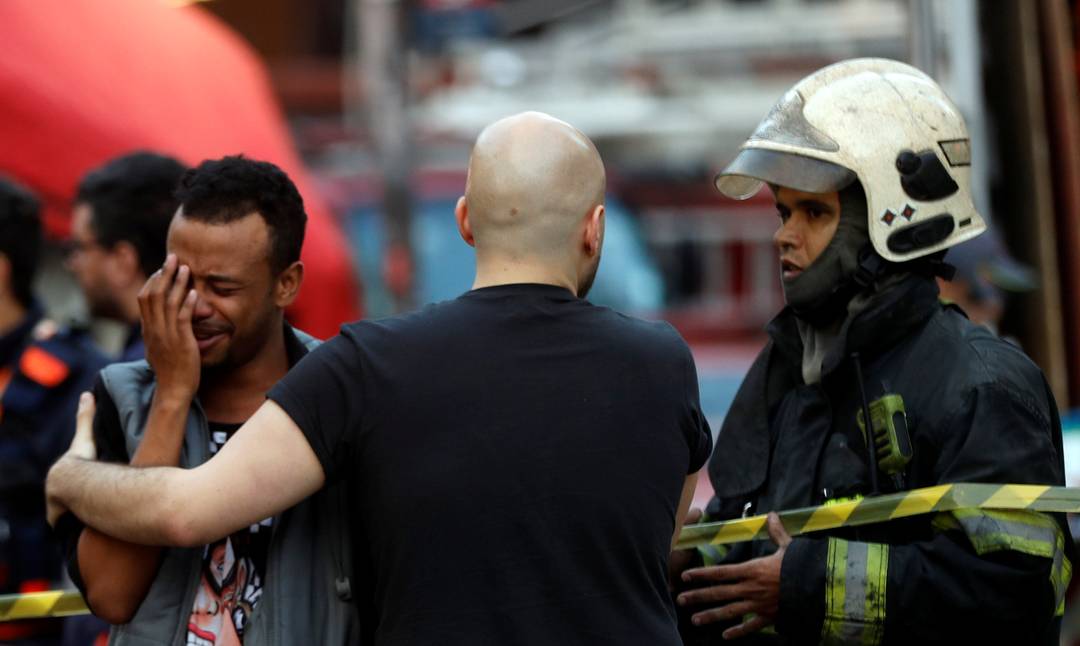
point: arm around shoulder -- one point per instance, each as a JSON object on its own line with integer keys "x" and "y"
{"x": 266, "y": 467}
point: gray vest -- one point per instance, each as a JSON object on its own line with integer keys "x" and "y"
{"x": 306, "y": 596}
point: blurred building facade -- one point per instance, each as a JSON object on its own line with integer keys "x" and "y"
{"x": 668, "y": 89}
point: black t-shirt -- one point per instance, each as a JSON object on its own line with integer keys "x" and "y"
{"x": 515, "y": 460}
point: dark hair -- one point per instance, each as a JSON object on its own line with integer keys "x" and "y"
{"x": 20, "y": 236}
{"x": 133, "y": 201}
{"x": 223, "y": 190}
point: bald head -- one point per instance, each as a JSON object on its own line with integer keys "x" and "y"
{"x": 532, "y": 182}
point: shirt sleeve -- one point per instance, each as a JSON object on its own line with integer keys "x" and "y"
{"x": 323, "y": 394}
{"x": 109, "y": 438}
{"x": 694, "y": 425}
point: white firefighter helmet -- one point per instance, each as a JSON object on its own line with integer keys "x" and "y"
{"x": 886, "y": 124}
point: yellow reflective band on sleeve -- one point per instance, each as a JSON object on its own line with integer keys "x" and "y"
{"x": 1060, "y": 573}
{"x": 835, "y": 571}
{"x": 1027, "y": 532}
{"x": 992, "y": 530}
{"x": 856, "y": 577}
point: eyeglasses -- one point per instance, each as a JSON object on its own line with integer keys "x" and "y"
{"x": 73, "y": 246}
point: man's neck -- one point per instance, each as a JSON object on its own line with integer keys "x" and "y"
{"x": 129, "y": 304}
{"x": 12, "y": 313}
{"x": 494, "y": 271}
{"x": 233, "y": 396}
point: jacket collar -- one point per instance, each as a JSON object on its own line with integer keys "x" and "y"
{"x": 295, "y": 349}
{"x": 12, "y": 343}
{"x": 887, "y": 318}
{"x": 740, "y": 460}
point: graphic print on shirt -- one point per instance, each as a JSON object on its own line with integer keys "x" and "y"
{"x": 231, "y": 581}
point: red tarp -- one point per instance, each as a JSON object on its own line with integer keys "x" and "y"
{"x": 82, "y": 81}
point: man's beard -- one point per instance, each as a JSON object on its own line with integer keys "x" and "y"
{"x": 243, "y": 346}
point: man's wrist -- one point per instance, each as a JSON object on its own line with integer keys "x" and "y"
{"x": 172, "y": 400}
{"x": 57, "y": 479}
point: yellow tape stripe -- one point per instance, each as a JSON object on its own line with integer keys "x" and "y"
{"x": 920, "y": 501}
{"x": 737, "y": 531}
{"x": 1020, "y": 495}
{"x": 834, "y": 515}
{"x": 947, "y": 497}
{"x": 35, "y": 605}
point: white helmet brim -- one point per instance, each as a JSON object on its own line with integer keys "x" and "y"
{"x": 752, "y": 167}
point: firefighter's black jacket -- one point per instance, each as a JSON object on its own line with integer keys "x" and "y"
{"x": 978, "y": 410}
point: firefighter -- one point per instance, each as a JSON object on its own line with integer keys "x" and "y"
{"x": 43, "y": 368}
{"x": 869, "y": 163}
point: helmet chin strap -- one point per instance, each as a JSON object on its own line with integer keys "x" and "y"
{"x": 934, "y": 265}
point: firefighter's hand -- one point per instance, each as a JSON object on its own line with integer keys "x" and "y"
{"x": 166, "y": 305}
{"x": 750, "y": 588}
{"x": 680, "y": 559}
{"x": 82, "y": 448}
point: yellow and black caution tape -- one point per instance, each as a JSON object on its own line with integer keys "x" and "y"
{"x": 947, "y": 497}
{"x": 35, "y": 605}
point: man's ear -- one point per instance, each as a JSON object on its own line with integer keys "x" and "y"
{"x": 594, "y": 231}
{"x": 464, "y": 227}
{"x": 288, "y": 284}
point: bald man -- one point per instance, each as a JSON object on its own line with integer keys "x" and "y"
{"x": 516, "y": 457}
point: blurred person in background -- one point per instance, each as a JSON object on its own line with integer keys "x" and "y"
{"x": 985, "y": 275}
{"x": 216, "y": 342}
{"x": 42, "y": 371}
{"x": 119, "y": 223}
{"x": 869, "y": 164}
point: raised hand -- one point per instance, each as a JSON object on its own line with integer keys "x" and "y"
{"x": 166, "y": 305}
{"x": 82, "y": 448}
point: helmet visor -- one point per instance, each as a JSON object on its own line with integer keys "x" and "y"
{"x": 753, "y": 167}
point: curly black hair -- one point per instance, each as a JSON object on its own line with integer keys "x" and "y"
{"x": 132, "y": 200}
{"x": 20, "y": 237}
{"x": 223, "y": 190}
